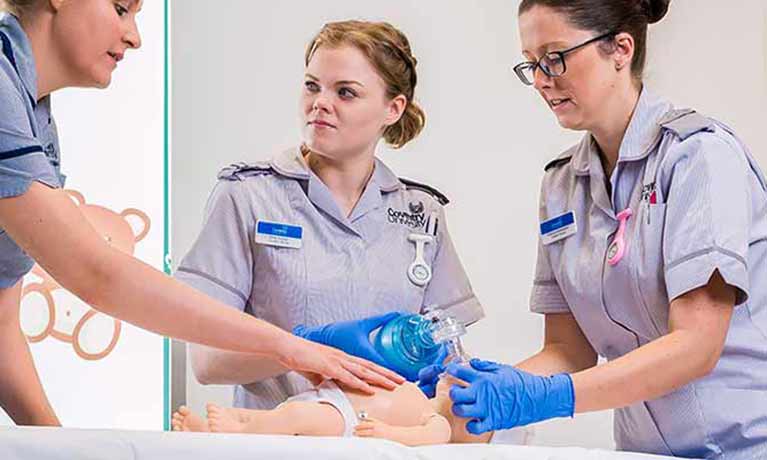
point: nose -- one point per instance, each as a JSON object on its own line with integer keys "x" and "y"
{"x": 132, "y": 36}
{"x": 540, "y": 79}
{"x": 321, "y": 102}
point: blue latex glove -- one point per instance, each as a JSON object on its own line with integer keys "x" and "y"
{"x": 500, "y": 397}
{"x": 353, "y": 337}
{"x": 429, "y": 376}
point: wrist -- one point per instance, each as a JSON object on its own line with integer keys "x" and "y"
{"x": 563, "y": 391}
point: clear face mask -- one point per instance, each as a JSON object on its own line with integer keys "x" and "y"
{"x": 412, "y": 342}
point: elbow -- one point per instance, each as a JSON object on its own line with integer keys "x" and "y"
{"x": 93, "y": 280}
{"x": 201, "y": 365}
{"x": 708, "y": 362}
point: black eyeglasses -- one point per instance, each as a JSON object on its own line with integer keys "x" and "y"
{"x": 552, "y": 63}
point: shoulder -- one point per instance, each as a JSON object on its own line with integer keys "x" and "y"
{"x": 559, "y": 173}
{"x": 11, "y": 96}
{"x": 700, "y": 150}
{"x": 692, "y": 135}
{"x": 426, "y": 191}
{"x": 561, "y": 160}
{"x": 242, "y": 171}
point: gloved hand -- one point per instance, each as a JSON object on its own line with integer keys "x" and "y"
{"x": 353, "y": 337}
{"x": 429, "y": 376}
{"x": 500, "y": 397}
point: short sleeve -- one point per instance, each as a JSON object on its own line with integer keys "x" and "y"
{"x": 220, "y": 263}
{"x": 546, "y": 296}
{"x": 22, "y": 159}
{"x": 708, "y": 214}
{"x": 449, "y": 287}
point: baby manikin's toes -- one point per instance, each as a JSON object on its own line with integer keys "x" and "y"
{"x": 185, "y": 420}
{"x": 221, "y": 420}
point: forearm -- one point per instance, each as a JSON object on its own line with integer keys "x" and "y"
{"x": 21, "y": 393}
{"x": 135, "y": 292}
{"x": 53, "y": 231}
{"x": 646, "y": 373}
{"x": 554, "y": 359}
{"x": 212, "y": 366}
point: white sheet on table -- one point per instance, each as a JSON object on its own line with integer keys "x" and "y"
{"x": 65, "y": 444}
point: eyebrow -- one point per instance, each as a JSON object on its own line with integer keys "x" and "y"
{"x": 548, "y": 47}
{"x": 338, "y": 83}
{"x": 137, "y": 4}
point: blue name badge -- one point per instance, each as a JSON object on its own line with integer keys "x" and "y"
{"x": 277, "y": 234}
{"x": 558, "y": 228}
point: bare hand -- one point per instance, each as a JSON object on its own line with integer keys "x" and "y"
{"x": 315, "y": 362}
{"x": 372, "y": 428}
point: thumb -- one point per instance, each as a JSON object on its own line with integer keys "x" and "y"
{"x": 477, "y": 427}
{"x": 484, "y": 366}
{"x": 368, "y": 324}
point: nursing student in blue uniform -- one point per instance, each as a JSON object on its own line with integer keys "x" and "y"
{"x": 52, "y": 44}
{"x": 324, "y": 239}
{"x": 652, "y": 255}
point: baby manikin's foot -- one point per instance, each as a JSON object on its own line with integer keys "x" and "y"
{"x": 185, "y": 420}
{"x": 221, "y": 420}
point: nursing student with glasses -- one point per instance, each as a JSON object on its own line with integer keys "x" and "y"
{"x": 652, "y": 254}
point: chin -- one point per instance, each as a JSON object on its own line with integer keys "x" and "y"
{"x": 570, "y": 123}
{"x": 101, "y": 81}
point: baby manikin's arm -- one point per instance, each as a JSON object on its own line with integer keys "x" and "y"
{"x": 434, "y": 430}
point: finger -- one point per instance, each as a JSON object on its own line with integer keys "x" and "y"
{"x": 377, "y": 321}
{"x": 460, "y": 395}
{"x": 442, "y": 355}
{"x": 430, "y": 373}
{"x": 463, "y": 373}
{"x": 429, "y": 389}
{"x": 469, "y": 411}
{"x": 349, "y": 378}
{"x": 478, "y": 427}
{"x": 379, "y": 370}
{"x": 484, "y": 366}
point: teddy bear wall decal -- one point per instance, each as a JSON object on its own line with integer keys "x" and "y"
{"x": 48, "y": 310}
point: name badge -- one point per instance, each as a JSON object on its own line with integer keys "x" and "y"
{"x": 558, "y": 228}
{"x": 277, "y": 234}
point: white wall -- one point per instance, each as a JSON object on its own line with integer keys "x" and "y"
{"x": 238, "y": 69}
{"x": 112, "y": 152}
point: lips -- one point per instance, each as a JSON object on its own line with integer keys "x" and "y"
{"x": 116, "y": 56}
{"x": 321, "y": 124}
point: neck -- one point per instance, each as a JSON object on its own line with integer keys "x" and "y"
{"x": 50, "y": 74}
{"x": 609, "y": 135}
{"x": 346, "y": 179}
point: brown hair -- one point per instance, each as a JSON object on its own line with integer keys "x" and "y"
{"x": 604, "y": 16}
{"x": 17, "y": 7}
{"x": 388, "y": 50}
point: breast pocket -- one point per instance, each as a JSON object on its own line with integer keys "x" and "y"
{"x": 648, "y": 270}
{"x": 280, "y": 285}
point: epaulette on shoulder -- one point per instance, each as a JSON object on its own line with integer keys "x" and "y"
{"x": 409, "y": 184}
{"x": 557, "y": 162}
{"x": 239, "y": 171}
{"x": 686, "y": 122}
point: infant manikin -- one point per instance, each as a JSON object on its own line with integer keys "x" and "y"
{"x": 403, "y": 415}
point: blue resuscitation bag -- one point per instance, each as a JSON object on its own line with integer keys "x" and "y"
{"x": 407, "y": 345}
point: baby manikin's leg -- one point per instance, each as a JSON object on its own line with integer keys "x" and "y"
{"x": 293, "y": 418}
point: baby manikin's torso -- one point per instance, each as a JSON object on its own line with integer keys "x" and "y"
{"x": 406, "y": 405}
